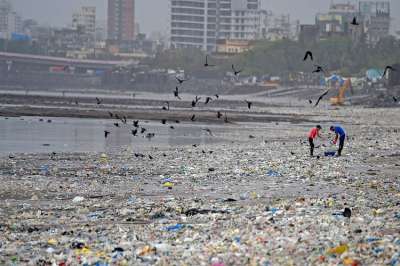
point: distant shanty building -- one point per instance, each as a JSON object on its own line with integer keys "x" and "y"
{"x": 375, "y": 16}
{"x": 233, "y": 46}
{"x": 85, "y": 20}
{"x": 10, "y": 21}
{"x": 337, "y": 21}
{"x": 121, "y": 21}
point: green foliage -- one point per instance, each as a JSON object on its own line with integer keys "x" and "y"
{"x": 336, "y": 55}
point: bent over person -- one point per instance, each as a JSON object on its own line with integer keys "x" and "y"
{"x": 314, "y": 133}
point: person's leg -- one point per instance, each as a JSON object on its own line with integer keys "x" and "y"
{"x": 311, "y": 141}
{"x": 341, "y": 145}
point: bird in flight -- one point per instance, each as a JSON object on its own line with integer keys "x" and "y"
{"x": 319, "y": 69}
{"x": 180, "y": 80}
{"x": 226, "y": 119}
{"x": 320, "y": 97}
{"x": 142, "y": 130}
{"x": 386, "y": 70}
{"x": 116, "y": 124}
{"x": 106, "y": 133}
{"x": 207, "y": 64}
{"x": 310, "y": 101}
{"x": 216, "y": 96}
{"x": 99, "y": 101}
{"x": 208, "y": 131}
{"x": 123, "y": 119}
{"x": 394, "y": 99}
{"x": 235, "y": 72}
{"x": 208, "y": 99}
{"x": 219, "y": 114}
{"x": 163, "y": 121}
{"x": 134, "y": 132}
{"x": 249, "y": 104}
{"x": 176, "y": 93}
{"x": 193, "y": 118}
{"x": 308, "y": 54}
{"x": 136, "y": 123}
{"x": 354, "y": 22}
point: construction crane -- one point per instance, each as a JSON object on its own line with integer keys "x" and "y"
{"x": 339, "y": 100}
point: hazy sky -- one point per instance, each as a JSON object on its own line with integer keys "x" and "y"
{"x": 152, "y": 15}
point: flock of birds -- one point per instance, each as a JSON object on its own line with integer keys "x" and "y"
{"x": 138, "y": 129}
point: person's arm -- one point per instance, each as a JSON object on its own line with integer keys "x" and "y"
{"x": 336, "y": 138}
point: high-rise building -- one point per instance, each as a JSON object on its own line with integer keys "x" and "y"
{"x": 121, "y": 20}
{"x": 85, "y": 20}
{"x": 10, "y": 21}
{"x": 200, "y": 23}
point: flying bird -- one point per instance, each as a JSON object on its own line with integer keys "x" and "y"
{"x": 163, "y": 121}
{"x": 151, "y": 157}
{"x": 235, "y": 72}
{"x": 394, "y": 99}
{"x": 193, "y": 118}
{"x": 319, "y": 69}
{"x": 166, "y": 108}
{"x": 142, "y": 130}
{"x": 99, "y": 101}
{"x": 180, "y": 80}
{"x": 136, "y": 123}
{"x": 226, "y": 118}
{"x": 123, "y": 119}
{"x": 320, "y": 97}
{"x": 208, "y": 131}
{"x": 310, "y": 101}
{"x": 150, "y": 135}
{"x": 207, "y": 64}
{"x": 176, "y": 93}
{"x": 106, "y": 133}
{"x": 219, "y": 114}
{"x": 386, "y": 70}
{"x": 116, "y": 124}
{"x": 172, "y": 127}
{"x": 354, "y": 22}
{"x": 134, "y": 132}
{"x": 249, "y": 104}
{"x": 208, "y": 99}
{"x": 193, "y": 103}
{"x": 308, "y": 54}
{"x": 216, "y": 96}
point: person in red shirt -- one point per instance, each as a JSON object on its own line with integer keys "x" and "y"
{"x": 314, "y": 133}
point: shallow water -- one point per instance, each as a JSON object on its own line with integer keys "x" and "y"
{"x": 29, "y": 135}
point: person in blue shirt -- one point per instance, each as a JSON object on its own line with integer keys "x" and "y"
{"x": 341, "y": 135}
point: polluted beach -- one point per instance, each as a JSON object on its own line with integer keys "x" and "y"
{"x": 239, "y": 136}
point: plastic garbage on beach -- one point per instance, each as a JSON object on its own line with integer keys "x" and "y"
{"x": 273, "y": 173}
{"x": 330, "y": 153}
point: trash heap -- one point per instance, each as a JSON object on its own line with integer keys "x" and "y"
{"x": 250, "y": 203}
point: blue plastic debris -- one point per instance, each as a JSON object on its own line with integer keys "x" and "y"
{"x": 273, "y": 173}
{"x": 174, "y": 228}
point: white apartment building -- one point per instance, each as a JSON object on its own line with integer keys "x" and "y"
{"x": 10, "y": 21}
{"x": 200, "y": 23}
{"x": 86, "y": 19}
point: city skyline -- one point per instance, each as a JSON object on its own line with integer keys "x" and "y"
{"x": 303, "y": 10}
